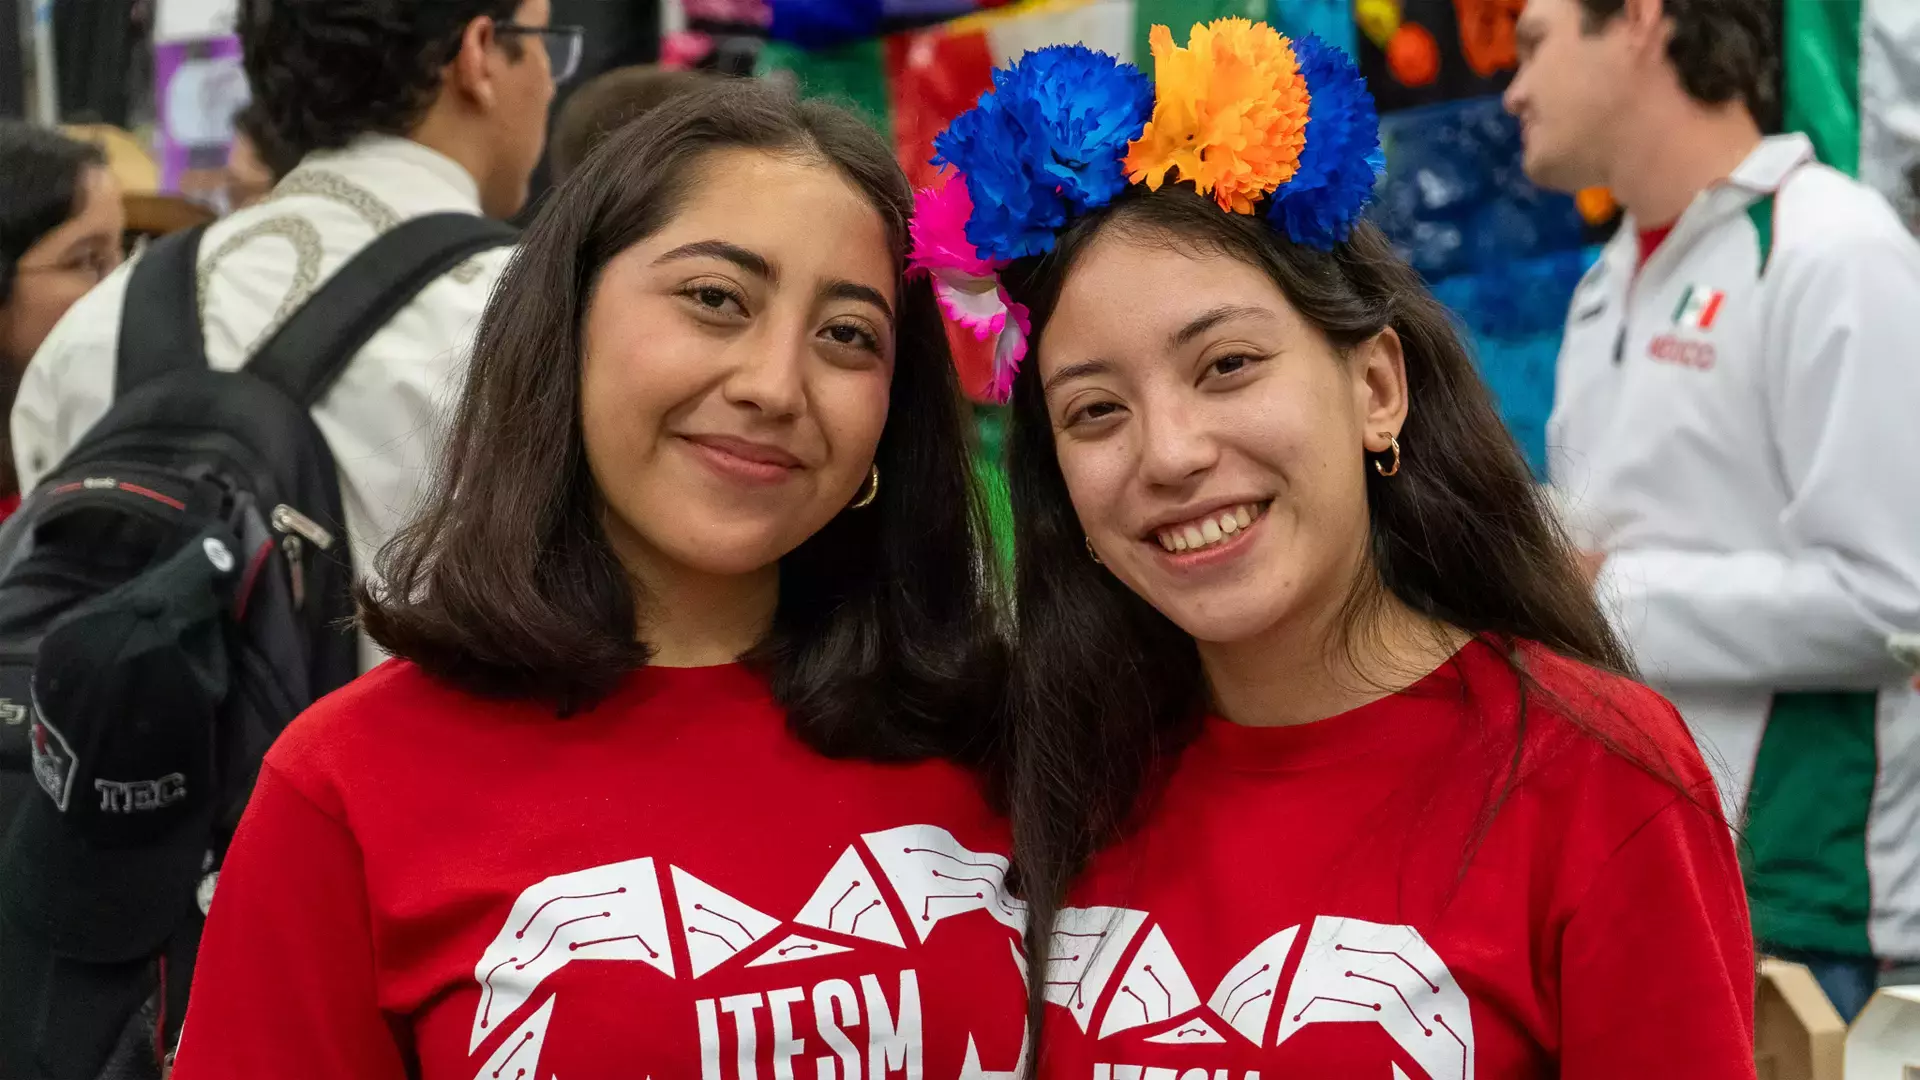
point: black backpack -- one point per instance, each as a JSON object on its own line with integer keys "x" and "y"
{"x": 172, "y": 595}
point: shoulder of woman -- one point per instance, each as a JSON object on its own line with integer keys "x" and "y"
{"x": 1608, "y": 725}
{"x": 371, "y": 727}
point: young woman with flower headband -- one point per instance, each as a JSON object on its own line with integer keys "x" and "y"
{"x": 696, "y": 644}
{"x": 1325, "y": 762}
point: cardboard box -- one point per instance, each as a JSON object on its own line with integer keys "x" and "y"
{"x": 1885, "y": 1041}
{"x": 1797, "y": 1033}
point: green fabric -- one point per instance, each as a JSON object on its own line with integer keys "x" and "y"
{"x": 1805, "y": 854}
{"x": 1760, "y": 212}
{"x": 1179, "y": 17}
{"x": 1822, "y": 59}
{"x": 854, "y": 75}
{"x": 992, "y": 474}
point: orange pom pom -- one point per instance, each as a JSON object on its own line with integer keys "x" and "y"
{"x": 1596, "y": 205}
{"x": 1413, "y": 56}
{"x": 1230, "y": 113}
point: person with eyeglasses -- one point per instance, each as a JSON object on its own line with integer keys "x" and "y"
{"x": 393, "y": 110}
{"x": 61, "y": 222}
{"x": 389, "y": 112}
{"x": 565, "y": 45}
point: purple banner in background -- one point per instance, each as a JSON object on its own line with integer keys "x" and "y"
{"x": 198, "y": 86}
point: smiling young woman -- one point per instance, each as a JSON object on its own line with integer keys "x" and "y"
{"x": 1332, "y": 623}
{"x": 1323, "y": 760}
{"x": 694, "y": 649}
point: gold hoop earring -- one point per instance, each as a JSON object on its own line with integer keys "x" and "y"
{"x": 1092, "y": 554}
{"x": 869, "y": 490}
{"x": 1393, "y": 444}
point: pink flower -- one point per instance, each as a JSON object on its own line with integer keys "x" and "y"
{"x": 968, "y": 285}
{"x": 939, "y": 230}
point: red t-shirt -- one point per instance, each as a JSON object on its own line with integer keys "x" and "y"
{"x": 671, "y": 886}
{"x": 1309, "y": 902}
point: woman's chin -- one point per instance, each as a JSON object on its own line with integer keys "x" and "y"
{"x": 701, "y": 549}
{"x": 721, "y": 559}
{"x": 1228, "y": 623}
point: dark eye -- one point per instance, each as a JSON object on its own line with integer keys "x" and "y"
{"x": 1099, "y": 410}
{"x": 716, "y": 299}
{"x": 853, "y": 335}
{"x": 1228, "y": 365}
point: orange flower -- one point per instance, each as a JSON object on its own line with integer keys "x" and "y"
{"x": 1230, "y": 113}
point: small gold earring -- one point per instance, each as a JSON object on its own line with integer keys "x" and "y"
{"x": 869, "y": 490}
{"x": 1092, "y": 554}
{"x": 1393, "y": 444}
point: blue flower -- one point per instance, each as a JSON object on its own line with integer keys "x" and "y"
{"x": 1342, "y": 158}
{"x": 1045, "y": 144}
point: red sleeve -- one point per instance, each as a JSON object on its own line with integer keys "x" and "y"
{"x": 1658, "y": 975}
{"x": 284, "y": 984}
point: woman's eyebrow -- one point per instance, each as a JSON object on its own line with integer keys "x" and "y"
{"x": 1209, "y": 319}
{"x": 853, "y": 290}
{"x": 752, "y": 262}
{"x": 1081, "y": 370}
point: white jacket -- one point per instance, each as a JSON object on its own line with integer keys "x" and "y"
{"x": 1738, "y": 426}
{"x": 256, "y": 268}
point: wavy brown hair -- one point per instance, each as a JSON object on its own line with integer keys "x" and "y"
{"x": 882, "y": 643}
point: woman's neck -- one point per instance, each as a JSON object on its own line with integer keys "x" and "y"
{"x": 1311, "y": 668}
{"x": 689, "y": 619}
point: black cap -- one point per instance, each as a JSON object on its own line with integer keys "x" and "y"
{"x": 103, "y": 864}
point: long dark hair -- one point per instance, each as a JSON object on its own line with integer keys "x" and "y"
{"x": 1104, "y": 690}
{"x": 882, "y": 644}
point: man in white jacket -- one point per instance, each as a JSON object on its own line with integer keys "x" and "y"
{"x": 1734, "y": 442}
{"x": 398, "y": 109}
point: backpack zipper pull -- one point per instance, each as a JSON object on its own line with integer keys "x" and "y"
{"x": 291, "y": 547}
{"x": 288, "y": 520}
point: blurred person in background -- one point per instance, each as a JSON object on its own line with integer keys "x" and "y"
{"x": 394, "y": 110}
{"x": 609, "y": 101}
{"x": 1737, "y": 375}
{"x": 61, "y": 221}
{"x": 258, "y": 159}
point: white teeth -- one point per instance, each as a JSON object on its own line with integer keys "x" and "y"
{"x": 1208, "y": 531}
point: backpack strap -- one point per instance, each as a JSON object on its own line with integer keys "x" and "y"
{"x": 160, "y": 324}
{"x": 308, "y": 352}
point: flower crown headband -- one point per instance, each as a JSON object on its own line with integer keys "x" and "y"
{"x": 1240, "y": 112}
